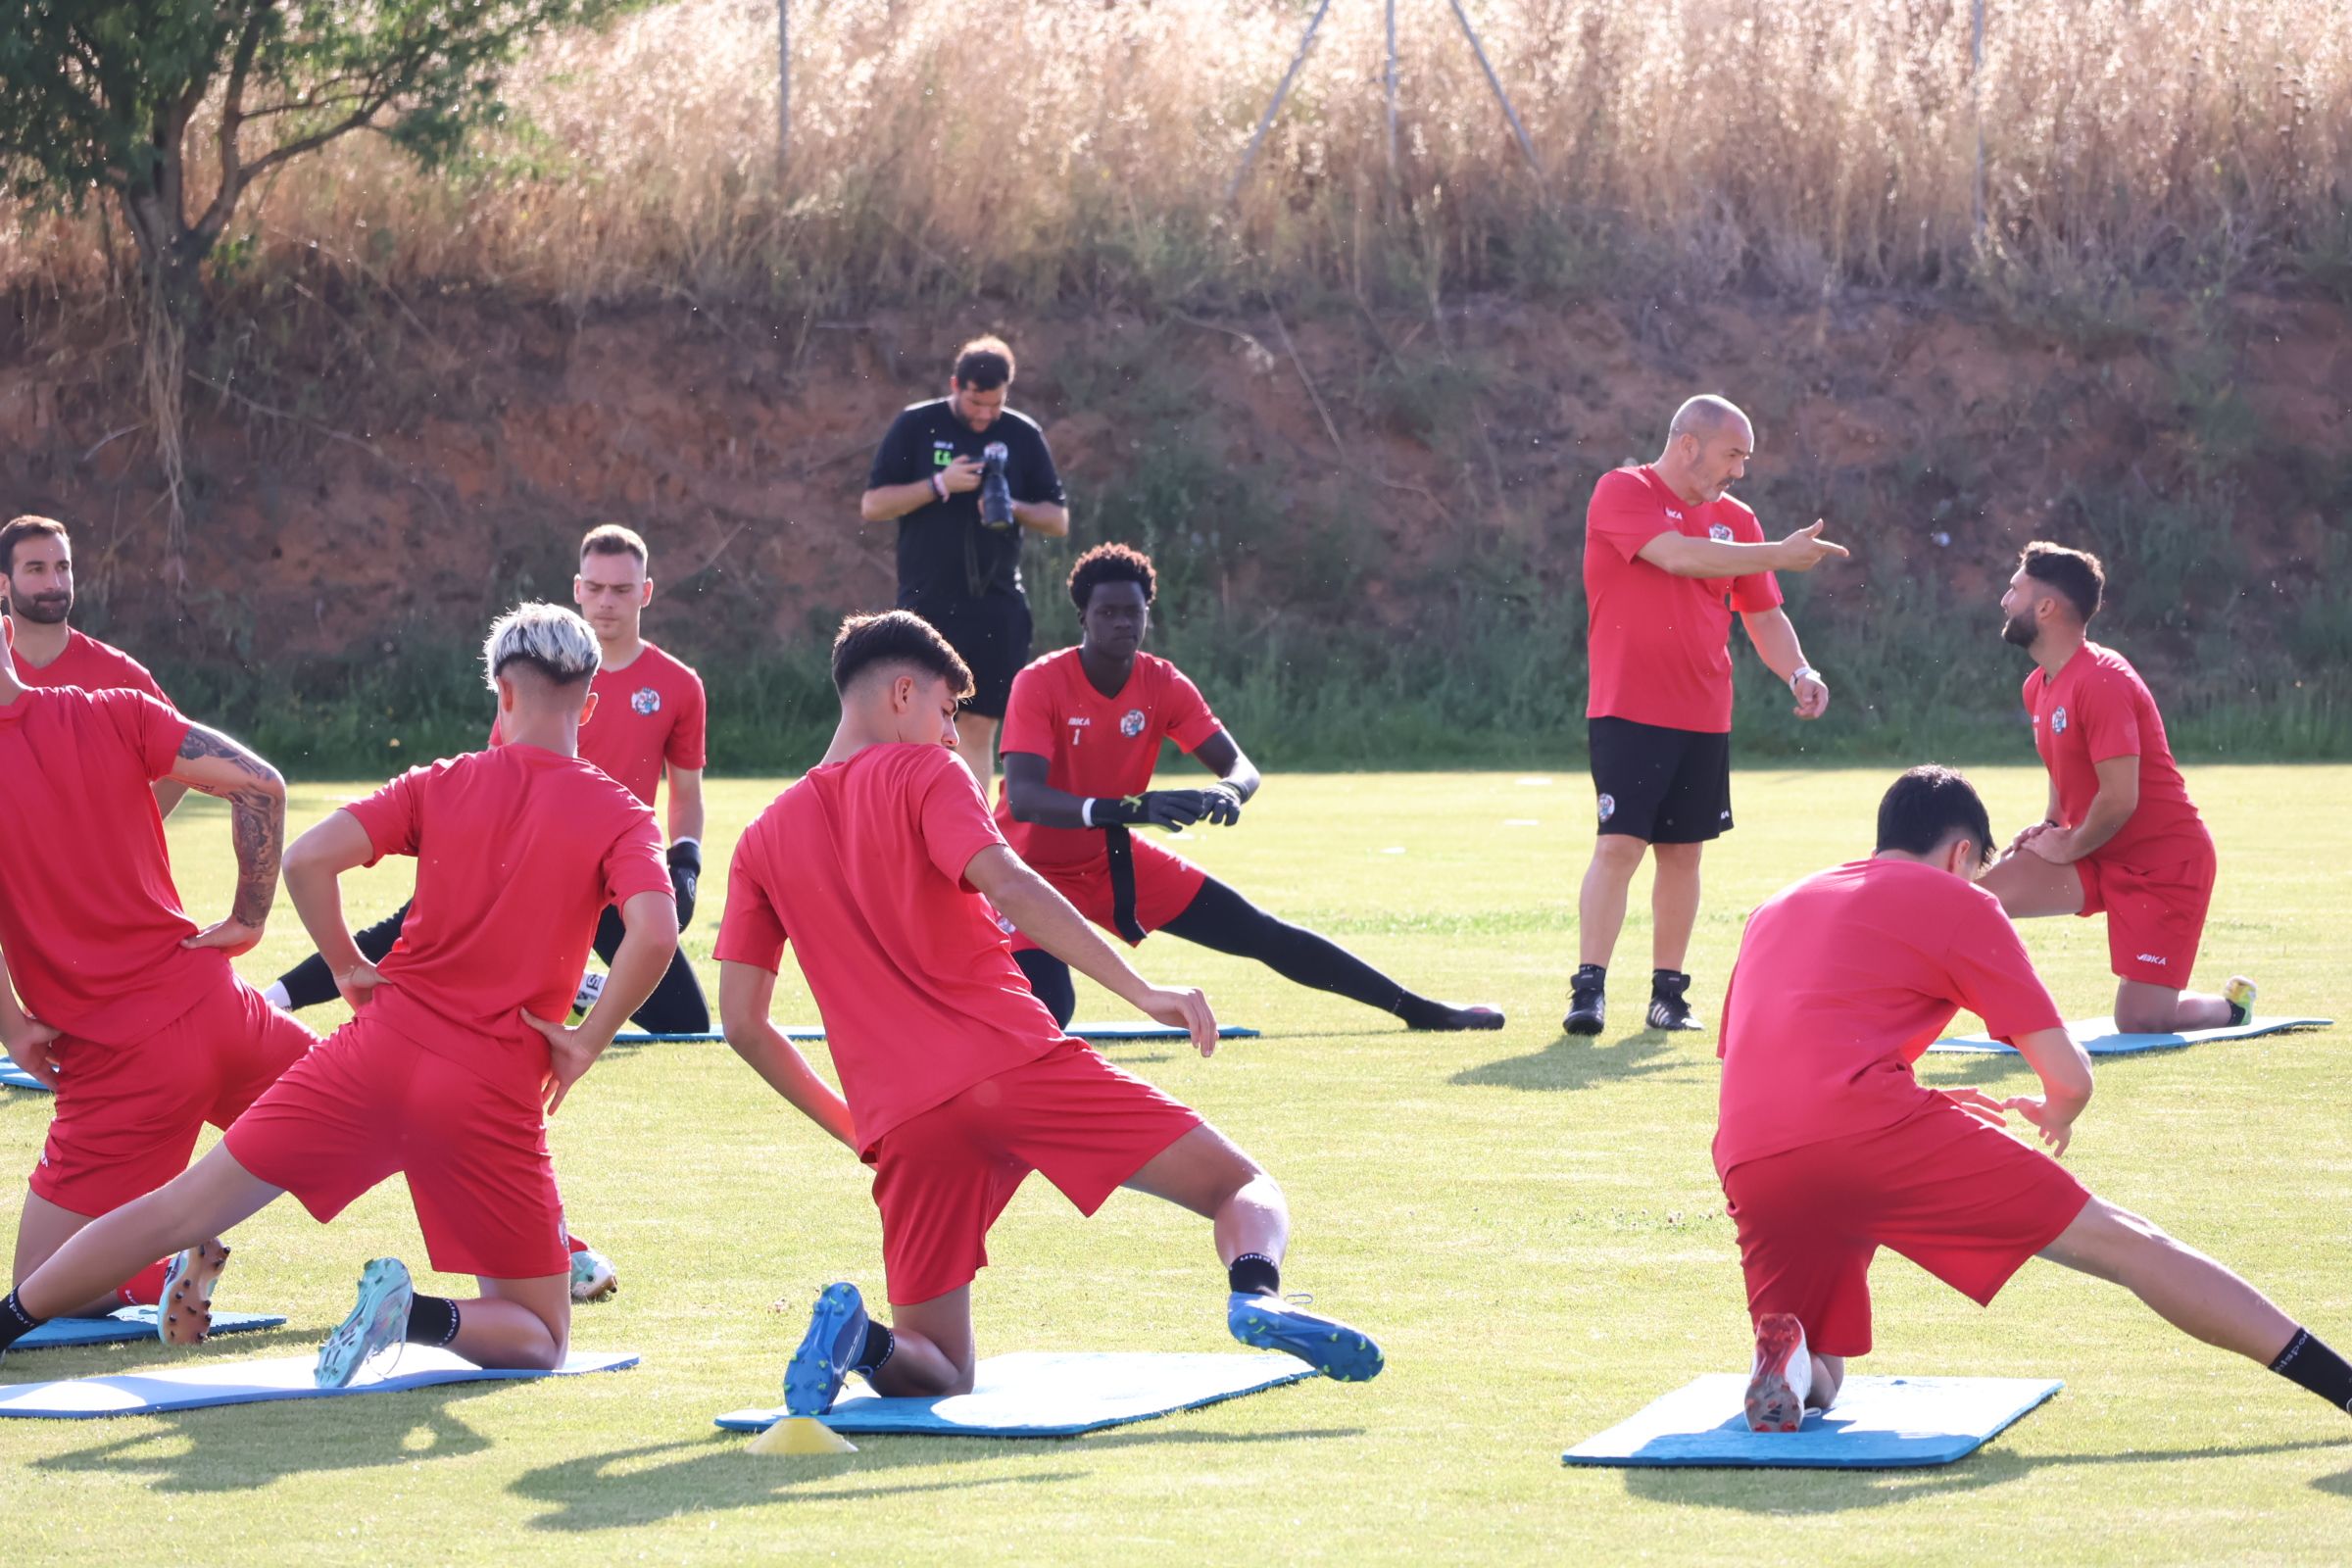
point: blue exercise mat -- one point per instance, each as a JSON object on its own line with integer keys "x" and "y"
{"x": 16, "y": 1077}
{"x": 208, "y": 1383}
{"x": 1084, "y": 1031}
{"x": 1877, "y": 1424}
{"x": 1042, "y": 1393}
{"x": 2100, "y": 1039}
{"x": 127, "y": 1325}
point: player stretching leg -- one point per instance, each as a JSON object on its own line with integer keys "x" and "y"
{"x": 1082, "y": 734}
{"x": 2119, "y": 834}
{"x": 880, "y": 866}
{"x": 446, "y": 1066}
{"x": 129, "y": 1011}
{"x": 1829, "y": 1148}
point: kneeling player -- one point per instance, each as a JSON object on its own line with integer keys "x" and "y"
{"x": 444, "y": 1066}
{"x": 1082, "y": 734}
{"x": 2120, "y": 834}
{"x": 880, "y": 866}
{"x": 1829, "y": 1148}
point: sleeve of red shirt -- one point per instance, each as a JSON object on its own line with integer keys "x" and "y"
{"x": 1189, "y": 721}
{"x": 950, "y": 814}
{"x": 1758, "y": 590}
{"x": 686, "y": 736}
{"x": 148, "y": 725}
{"x": 633, "y": 861}
{"x": 391, "y": 816}
{"x": 142, "y": 680}
{"x": 1992, "y": 975}
{"x": 2104, "y": 709}
{"x": 1029, "y": 714}
{"x": 1623, "y": 513}
{"x": 750, "y": 930}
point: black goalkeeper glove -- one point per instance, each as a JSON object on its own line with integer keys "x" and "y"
{"x": 685, "y": 872}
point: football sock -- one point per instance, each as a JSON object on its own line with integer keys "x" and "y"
{"x": 146, "y": 1286}
{"x": 1254, "y": 1274}
{"x": 278, "y": 997}
{"x": 1668, "y": 983}
{"x": 2305, "y": 1361}
{"x": 1223, "y": 922}
{"x": 879, "y": 1343}
{"x": 432, "y": 1320}
{"x": 15, "y": 1321}
{"x": 1592, "y": 975}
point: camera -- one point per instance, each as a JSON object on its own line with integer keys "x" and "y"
{"x": 995, "y": 491}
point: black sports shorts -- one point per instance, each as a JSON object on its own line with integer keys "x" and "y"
{"x": 1660, "y": 785}
{"x": 992, "y": 634}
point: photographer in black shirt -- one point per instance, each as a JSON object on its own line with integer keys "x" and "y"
{"x": 963, "y": 476}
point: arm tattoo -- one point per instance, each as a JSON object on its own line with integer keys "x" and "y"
{"x": 256, "y": 819}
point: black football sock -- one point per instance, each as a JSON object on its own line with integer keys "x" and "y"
{"x": 432, "y": 1320}
{"x": 15, "y": 1321}
{"x": 1254, "y": 1274}
{"x": 2305, "y": 1361}
{"x": 1223, "y": 922}
{"x": 879, "y": 1343}
{"x": 1594, "y": 975}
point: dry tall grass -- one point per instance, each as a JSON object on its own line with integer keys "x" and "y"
{"x": 1084, "y": 146}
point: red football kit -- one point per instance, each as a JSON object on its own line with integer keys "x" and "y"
{"x": 1826, "y": 1145}
{"x": 648, "y": 712}
{"x": 2154, "y": 879}
{"x": 518, "y": 851}
{"x": 957, "y": 1080}
{"x": 156, "y": 1038}
{"x": 92, "y": 665}
{"x": 1660, "y": 645}
{"x": 1105, "y": 747}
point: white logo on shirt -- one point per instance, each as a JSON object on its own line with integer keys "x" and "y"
{"x": 1078, "y": 728}
{"x": 2058, "y": 723}
{"x": 1720, "y": 532}
{"x": 2149, "y": 957}
{"x": 1131, "y": 723}
{"x": 646, "y": 700}
{"x": 1673, "y": 516}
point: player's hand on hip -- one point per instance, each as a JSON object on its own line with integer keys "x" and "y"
{"x": 357, "y": 984}
{"x": 570, "y": 1056}
{"x": 1174, "y": 807}
{"x": 231, "y": 935}
{"x": 28, "y": 1049}
{"x": 1807, "y": 549}
{"x": 1978, "y": 1104}
{"x": 2057, "y": 1127}
{"x": 1187, "y": 1009}
{"x": 1812, "y": 696}
{"x": 960, "y": 475}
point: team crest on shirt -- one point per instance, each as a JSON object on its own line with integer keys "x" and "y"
{"x": 1720, "y": 532}
{"x": 645, "y": 700}
{"x": 1131, "y": 723}
{"x": 1608, "y": 806}
{"x": 2058, "y": 723}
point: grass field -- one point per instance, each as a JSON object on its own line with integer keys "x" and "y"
{"x": 1531, "y": 1225}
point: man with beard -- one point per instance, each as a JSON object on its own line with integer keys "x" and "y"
{"x": 36, "y": 558}
{"x": 2120, "y": 834}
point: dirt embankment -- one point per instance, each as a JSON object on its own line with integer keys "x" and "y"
{"x": 419, "y": 461}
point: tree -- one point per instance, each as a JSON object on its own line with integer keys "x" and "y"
{"x": 107, "y": 97}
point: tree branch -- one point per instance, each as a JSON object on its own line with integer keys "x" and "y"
{"x": 233, "y": 118}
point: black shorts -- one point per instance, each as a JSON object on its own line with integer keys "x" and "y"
{"x": 1660, "y": 785}
{"x": 992, "y": 634}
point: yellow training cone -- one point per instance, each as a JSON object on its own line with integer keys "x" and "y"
{"x": 802, "y": 1434}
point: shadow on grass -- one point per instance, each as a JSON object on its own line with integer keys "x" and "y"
{"x": 217, "y": 1449}
{"x": 1573, "y": 1061}
{"x": 662, "y": 1481}
{"x": 1825, "y": 1492}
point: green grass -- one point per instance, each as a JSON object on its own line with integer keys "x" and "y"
{"x": 1531, "y": 1227}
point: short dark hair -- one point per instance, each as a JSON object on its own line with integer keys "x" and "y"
{"x": 1111, "y": 564}
{"x": 984, "y": 365}
{"x": 895, "y": 637}
{"x": 1926, "y": 806}
{"x": 2075, "y": 573}
{"x": 19, "y": 530}
{"x": 612, "y": 539}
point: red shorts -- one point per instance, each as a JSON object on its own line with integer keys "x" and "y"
{"x": 941, "y": 1178}
{"x": 370, "y": 1101}
{"x": 2155, "y": 914}
{"x": 1165, "y": 885}
{"x": 1962, "y": 1199}
{"x": 127, "y": 1114}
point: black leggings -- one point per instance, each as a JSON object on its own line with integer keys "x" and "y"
{"x": 1222, "y": 920}
{"x": 678, "y": 1005}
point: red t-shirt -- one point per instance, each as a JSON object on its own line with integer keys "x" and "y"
{"x": 519, "y": 849}
{"x": 1660, "y": 645}
{"x": 2097, "y": 709}
{"x": 92, "y": 665}
{"x": 1093, "y": 744}
{"x": 649, "y": 711}
{"x": 1842, "y": 981}
{"x": 861, "y": 866}
{"x": 92, "y": 931}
